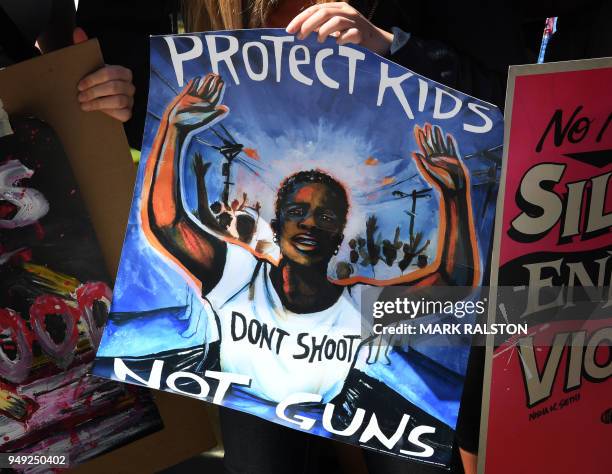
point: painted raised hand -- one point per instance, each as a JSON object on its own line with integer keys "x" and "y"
{"x": 198, "y": 104}
{"x": 438, "y": 160}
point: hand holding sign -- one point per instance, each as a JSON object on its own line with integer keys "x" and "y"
{"x": 109, "y": 89}
{"x": 342, "y": 21}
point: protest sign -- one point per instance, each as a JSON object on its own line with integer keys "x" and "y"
{"x": 280, "y": 181}
{"x": 548, "y": 393}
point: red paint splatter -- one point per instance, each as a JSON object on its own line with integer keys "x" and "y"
{"x": 251, "y": 153}
{"x": 13, "y": 321}
{"x": 304, "y": 194}
{"x": 90, "y": 292}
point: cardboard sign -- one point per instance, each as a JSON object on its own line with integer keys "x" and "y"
{"x": 281, "y": 182}
{"x": 549, "y": 406}
{"x": 54, "y": 300}
{"x": 56, "y": 274}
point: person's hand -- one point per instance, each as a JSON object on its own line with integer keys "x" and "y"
{"x": 343, "y": 22}
{"x": 438, "y": 161}
{"x": 197, "y": 105}
{"x": 109, "y": 89}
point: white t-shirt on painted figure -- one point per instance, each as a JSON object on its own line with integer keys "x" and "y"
{"x": 283, "y": 352}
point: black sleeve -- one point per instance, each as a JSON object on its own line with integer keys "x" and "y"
{"x": 468, "y": 423}
{"x": 13, "y": 43}
{"x": 465, "y": 45}
{"x": 123, "y": 29}
{"x": 438, "y": 61}
{"x": 58, "y": 31}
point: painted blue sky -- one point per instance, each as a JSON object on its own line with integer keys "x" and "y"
{"x": 293, "y": 127}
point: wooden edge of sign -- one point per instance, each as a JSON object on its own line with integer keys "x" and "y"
{"x": 561, "y": 66}
{"x": 99, "y": 155}
{"x": 486, "y": 385}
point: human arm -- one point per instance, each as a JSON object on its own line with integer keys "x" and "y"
{"x": 462, "y": 45}
{"x": 164, "y": 220}
{"x": 457, "y": 261}
{"x": 441, "y": 62}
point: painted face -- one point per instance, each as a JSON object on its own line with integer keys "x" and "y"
{"x": 311, "y": 224}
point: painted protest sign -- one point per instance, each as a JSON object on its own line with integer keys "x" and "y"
{"x": 54, "y": 300}
{"x": 552, "y": 266}
{"x": 279, "y": 180}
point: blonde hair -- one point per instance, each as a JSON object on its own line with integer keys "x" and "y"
{"x": 206, "y": 15}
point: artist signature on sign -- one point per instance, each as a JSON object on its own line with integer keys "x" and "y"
{"x": 554, "y": 407}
